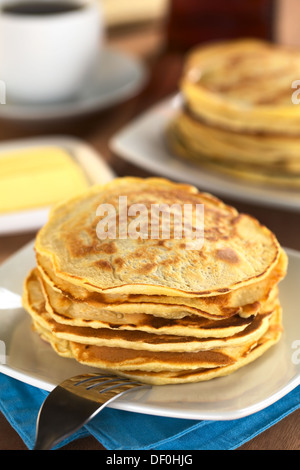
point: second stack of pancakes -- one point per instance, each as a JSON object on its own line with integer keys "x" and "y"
{"x": 240, "y": 111}
{"x": 149, "y": 308}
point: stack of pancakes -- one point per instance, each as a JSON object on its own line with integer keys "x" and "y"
{"x": 150, "y": 308}
{"x": 240, "y": 113}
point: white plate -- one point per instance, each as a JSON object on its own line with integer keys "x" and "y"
{"x": 29, "y": 359}
{"x": 95, "y": 168}
{"x": 117, "y": 77}
{"x": 142, "y": 143}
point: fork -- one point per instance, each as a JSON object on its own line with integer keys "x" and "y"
{"x": 74, "y": 402}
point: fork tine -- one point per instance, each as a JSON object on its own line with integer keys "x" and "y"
{"x": 80, "y": 380}
{"x": 105, "y": 378}
{"x": 114, "y": 381}
{"x": 124, "y": 386}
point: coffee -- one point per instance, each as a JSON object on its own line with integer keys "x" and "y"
{"x": 41, "y": 8}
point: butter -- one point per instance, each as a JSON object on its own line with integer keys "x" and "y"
{"x": 38, "y": 177}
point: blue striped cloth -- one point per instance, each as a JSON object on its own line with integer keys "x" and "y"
{"x": 20, "y": 404}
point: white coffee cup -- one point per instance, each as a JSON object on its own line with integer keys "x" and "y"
{"x": 48, "y": 57}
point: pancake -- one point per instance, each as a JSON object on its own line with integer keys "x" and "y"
{"x": 96, "y": 315}
{"x": 139, "y": 340}
{"x": 120, "y": 358}
{"x": 243, "y": 85}
{"x": 284, "y": 172}
{"x": 153, "y": 366}
{"x": 258, "y": 176}
{"x": 238, "y": 251}
{"x": 135, "y": 338}
{"x": 269, "y": 339}
{"x": 241, "y": 301}
{"x": 223, "y": 145}
{"x": 76, "y": 351}
{"x": 62, "y": 348}
{"x": 164, "y": 368}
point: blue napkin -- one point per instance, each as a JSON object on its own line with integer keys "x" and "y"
{"x": 20, "y": 404}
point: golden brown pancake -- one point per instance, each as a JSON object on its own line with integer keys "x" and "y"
{"x": 238, "y": 251}
{"x": 126, "y": 351}
{"x": 255, "y": 158}
{"x": 243, "y": 301}
{"x": 135, "y": 338}
{"x": 243, "y": 85}
{"x": 164, "y": 368}
{"x": 269, "y": 339}
{"x": 96, "y": 315}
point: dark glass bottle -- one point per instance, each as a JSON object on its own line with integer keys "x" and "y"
{"x": 192, "y": 22}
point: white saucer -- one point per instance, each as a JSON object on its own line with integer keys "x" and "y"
{"x": 117, "y": 77}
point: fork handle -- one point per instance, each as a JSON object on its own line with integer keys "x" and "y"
{"x": 67, "y": 417}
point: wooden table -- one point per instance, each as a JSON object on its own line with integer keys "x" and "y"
{"x": 164, "y": 70}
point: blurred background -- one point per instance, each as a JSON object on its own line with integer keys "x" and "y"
{"x": 156, "y": 12}
{"x": 146, "y": 42}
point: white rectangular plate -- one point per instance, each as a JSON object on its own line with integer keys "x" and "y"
{"x": 95, "y": 168}
{"x": 24, "y": 356}
{"x": 142, "y": 143}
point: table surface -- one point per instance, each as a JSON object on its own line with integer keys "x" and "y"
{"x": 147, "y": 42}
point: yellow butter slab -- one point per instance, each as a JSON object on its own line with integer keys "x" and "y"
{"x": 38, "y": 177}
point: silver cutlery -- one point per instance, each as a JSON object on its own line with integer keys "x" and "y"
{"x": 74, "y": 402}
